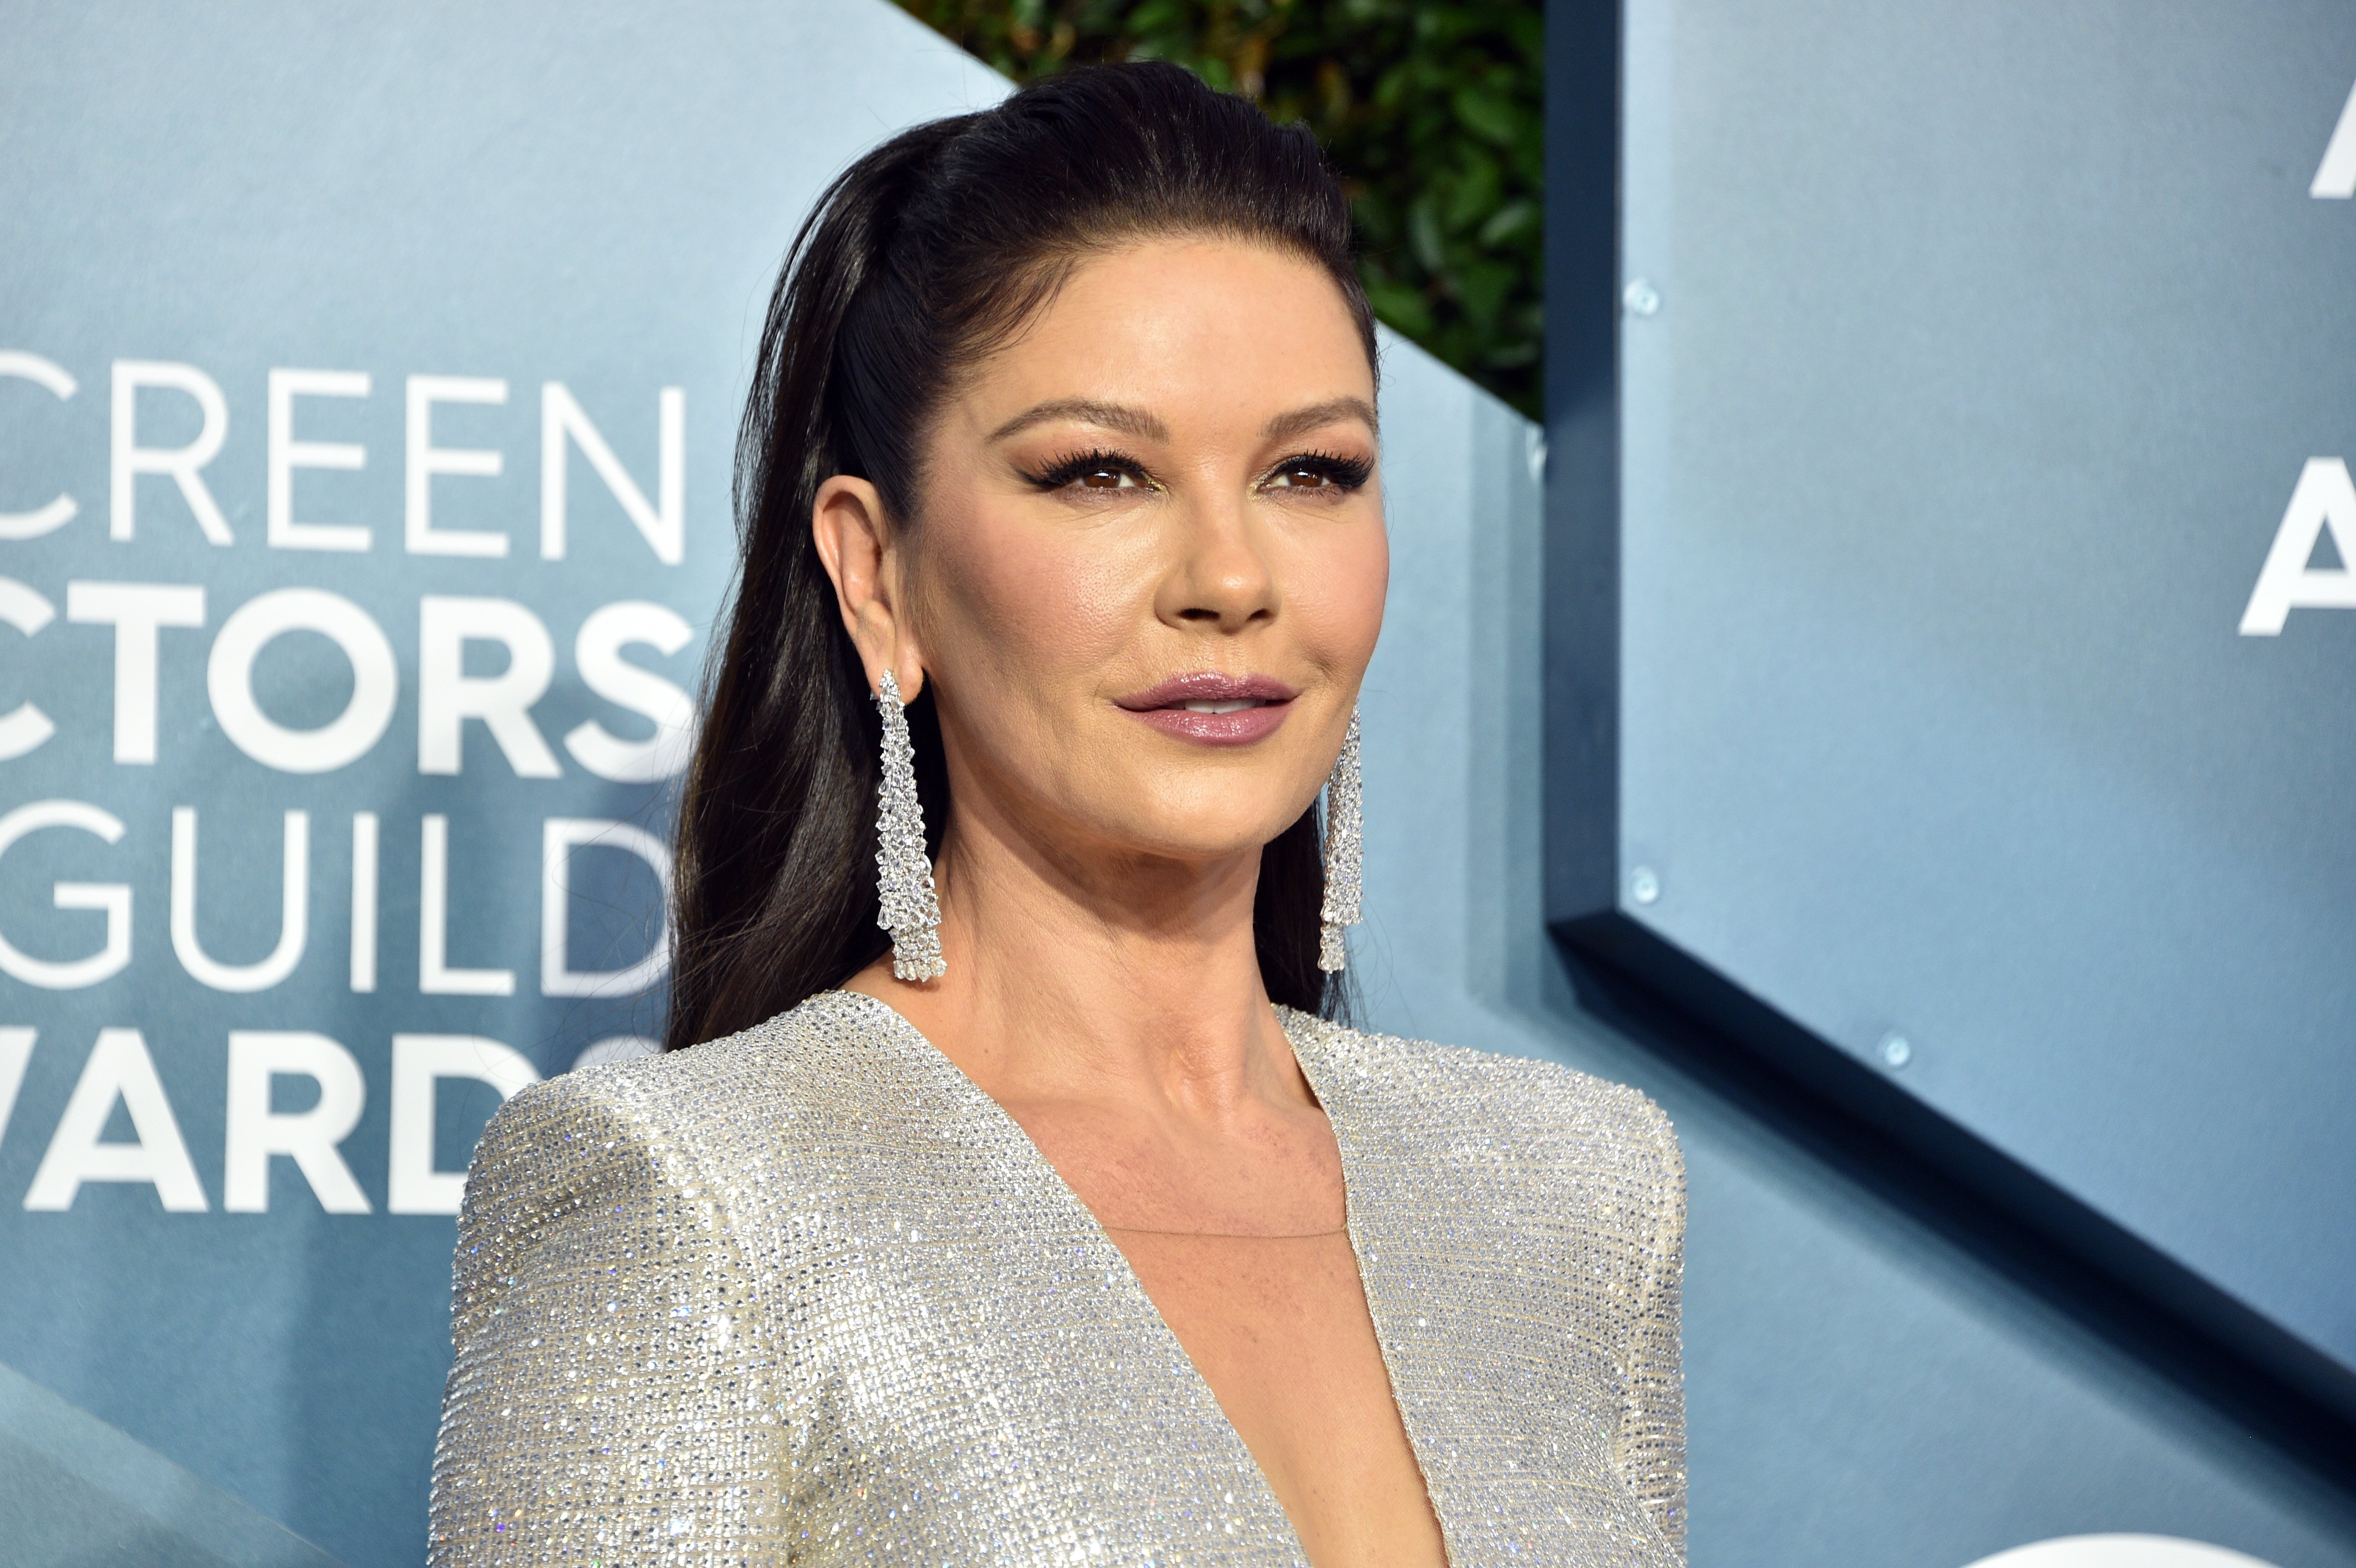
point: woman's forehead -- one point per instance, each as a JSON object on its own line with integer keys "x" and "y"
{"x": 1138, "y": 332}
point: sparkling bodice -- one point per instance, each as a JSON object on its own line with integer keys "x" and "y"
{"x": 807, "y": 1294}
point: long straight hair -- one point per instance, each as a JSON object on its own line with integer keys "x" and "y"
{"x": 921, "y": 258}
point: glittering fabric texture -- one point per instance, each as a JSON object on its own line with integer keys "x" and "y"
{"x": 808, "y": 1295}
{"x": 911, "y": 910}
{"x": 1344, "y": 854}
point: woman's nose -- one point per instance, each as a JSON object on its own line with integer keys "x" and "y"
{"x": 1221, "y": 577}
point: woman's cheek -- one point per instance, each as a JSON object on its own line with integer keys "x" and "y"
{"x": 1375, "y": 585}
{"x": 1340, "y": 598}
{"x": 1031, "y": 606}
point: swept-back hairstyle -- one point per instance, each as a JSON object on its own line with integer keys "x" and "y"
{"x": 921, "y": 258}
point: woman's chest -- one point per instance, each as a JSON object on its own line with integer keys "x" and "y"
{"x": 963, "y": 1368}
{"x": 1278, "y": 1326}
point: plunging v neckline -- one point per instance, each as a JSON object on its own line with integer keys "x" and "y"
{"x": 961, "y": 1086}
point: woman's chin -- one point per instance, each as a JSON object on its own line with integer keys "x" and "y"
{"x": 1195, "y": 842}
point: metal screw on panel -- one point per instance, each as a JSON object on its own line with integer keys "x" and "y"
{"x": 1897, "y": 1051}
{"x": 1644, "y": 886}
{"x": 1640, "y": 298}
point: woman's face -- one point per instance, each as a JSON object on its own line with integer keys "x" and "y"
{"x": 1149, "y": 563}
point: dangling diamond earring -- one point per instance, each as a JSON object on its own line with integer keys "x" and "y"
{"x": 903, "y": 878}
{"x": 1344, "y": 851}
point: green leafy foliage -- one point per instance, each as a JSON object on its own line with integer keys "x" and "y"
{"x": 1431, "y": 112}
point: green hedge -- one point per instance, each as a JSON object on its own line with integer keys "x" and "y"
{"x": 1431, "y": 113}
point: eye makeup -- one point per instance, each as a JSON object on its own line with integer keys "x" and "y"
{"x": 1103, "y": 469}
{"x": 1084, "y": 467}
{"x": 1329, "y": 469}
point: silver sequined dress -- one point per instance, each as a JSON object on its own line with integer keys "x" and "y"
{"x": 807, "y": 1294}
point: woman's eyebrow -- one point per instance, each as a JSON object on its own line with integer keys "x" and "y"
{"x": 1301, "y": 421}
{"x": 1111, "y": 416}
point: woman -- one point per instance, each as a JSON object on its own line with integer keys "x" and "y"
{"x": 1019, "y": 1200}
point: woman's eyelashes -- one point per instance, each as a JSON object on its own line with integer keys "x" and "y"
{"x": 1105, "y": 473}
{"x": 1318, "y": 471}
{"x": 1094, "y": 472}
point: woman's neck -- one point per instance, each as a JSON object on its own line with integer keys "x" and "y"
{"x": 1093, "y": 979}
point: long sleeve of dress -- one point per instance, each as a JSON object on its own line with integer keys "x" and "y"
{"x": 1650, "y": 1445}
{"x": 603, "y": 1405}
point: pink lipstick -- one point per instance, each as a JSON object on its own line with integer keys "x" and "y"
{"x": 1212, "y": 708}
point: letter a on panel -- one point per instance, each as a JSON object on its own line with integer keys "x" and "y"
{"x": 119, "y": 1069}
{"x": 2335, "y": 177}
{"x": 2324, "y": 498}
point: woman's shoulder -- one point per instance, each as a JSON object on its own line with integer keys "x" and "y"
{"x": 618, "y": 1098}
{"x": 1530, "y": 1112}
{"x": 648, "y": 1089}
{"x": 657, "y": 1108}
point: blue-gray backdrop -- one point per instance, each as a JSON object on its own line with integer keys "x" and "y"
{"x": 277, "y": 275}
{"x": 1988, "y": 377}
{"x": 368, "y": 382}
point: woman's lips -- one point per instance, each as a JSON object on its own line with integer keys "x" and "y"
{"x": 1214, "y": 710}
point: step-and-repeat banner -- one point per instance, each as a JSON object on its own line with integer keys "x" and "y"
{"x": 367, "y": 398}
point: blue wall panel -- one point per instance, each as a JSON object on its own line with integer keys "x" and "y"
{"x": 1971, "y": 358}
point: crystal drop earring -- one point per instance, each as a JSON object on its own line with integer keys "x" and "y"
{"x": 1343, "y": 849}
{"x": 911, "y": 910}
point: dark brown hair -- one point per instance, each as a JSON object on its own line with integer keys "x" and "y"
{"x": 923, "y": 256}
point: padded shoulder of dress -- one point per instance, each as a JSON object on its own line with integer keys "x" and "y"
{"x": 802, "y": 1062}
{"x": 639, "y": 1100}
{"x": 1535, "y": 1106}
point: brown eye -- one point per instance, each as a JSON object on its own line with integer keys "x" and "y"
{"x": 1099, "y": 471}
{"x": 1318, "y": 471}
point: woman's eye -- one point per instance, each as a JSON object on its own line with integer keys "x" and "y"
{"x": 1319, "y": 473}
{"x": 1097, "y": 471}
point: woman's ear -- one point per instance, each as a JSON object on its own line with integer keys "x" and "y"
{"x": 860, "y": 550}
